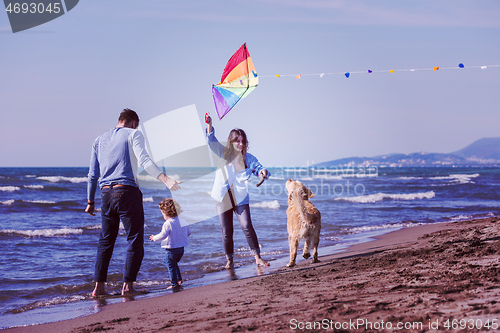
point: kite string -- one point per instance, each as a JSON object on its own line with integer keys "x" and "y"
{"x": 380, "y": 71}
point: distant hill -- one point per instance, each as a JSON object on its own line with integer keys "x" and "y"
{"x": 486, "y": 148}
{"x": 482, "y": 152}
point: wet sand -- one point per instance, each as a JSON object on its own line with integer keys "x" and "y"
{"x": 441, "y": 276}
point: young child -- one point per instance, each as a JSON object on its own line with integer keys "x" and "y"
{"x": 173, "y": 238}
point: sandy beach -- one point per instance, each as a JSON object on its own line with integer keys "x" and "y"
{"x": 442, "y": 276}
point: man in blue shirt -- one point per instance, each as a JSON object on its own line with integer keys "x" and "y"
{"x": 115, "y": 157}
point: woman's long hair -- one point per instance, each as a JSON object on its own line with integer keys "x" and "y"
{"x": 229, "y": 151}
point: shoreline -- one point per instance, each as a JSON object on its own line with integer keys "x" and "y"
{"x": 425, "y": 274}
{"x": 86, "y": 307}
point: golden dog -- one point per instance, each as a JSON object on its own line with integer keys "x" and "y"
{"x": 303, "y": 221}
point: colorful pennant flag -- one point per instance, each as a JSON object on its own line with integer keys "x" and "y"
{"x": 369, "y": 71}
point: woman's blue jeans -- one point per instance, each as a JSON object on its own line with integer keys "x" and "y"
{"x": 225, "y": 211}
{"x": 121, "y": 203}
{"x": 173, "y": 256}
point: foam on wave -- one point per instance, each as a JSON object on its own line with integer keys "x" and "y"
{"x": 42, "y": 232}
{"x": 9, "y": 188}
{"x": 266, "y": 204}
{"x": 40, "y": 201}
{"x": 56, "y": 179}
{"x": 49, "y": 302}
{"x": 381, "y": 227}
{"x": 371, "y": 198}
{"x": 34, "y": 187}
{"x": 458, "y": 178}
{"x": 453, "y": 178}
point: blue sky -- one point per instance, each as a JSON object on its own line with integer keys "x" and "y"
{"x": 65, "y": 82}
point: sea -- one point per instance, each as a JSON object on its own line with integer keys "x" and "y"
{"x": 49, "y": 243}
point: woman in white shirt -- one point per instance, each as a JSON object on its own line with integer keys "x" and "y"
{"x": 230, "y": 189}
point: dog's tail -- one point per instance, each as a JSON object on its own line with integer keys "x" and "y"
{"x": 298, "y": 197}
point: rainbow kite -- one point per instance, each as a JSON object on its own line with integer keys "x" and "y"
{"x": 238, "y": 80}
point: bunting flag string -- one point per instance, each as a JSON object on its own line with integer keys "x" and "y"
{"x": 369, "y": 71}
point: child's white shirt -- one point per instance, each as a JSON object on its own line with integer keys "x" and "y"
{"x": 173, "y": 234}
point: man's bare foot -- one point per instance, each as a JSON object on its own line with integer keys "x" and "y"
{"x": 128, "y": 289}
{"x": 230, "y": 264}
{"x": 260, "y": 262}
{"x": 179, "y": 282}
{"x": 99, "y": 290}
{"x": 177, "y": 287}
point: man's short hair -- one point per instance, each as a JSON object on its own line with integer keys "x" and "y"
{"x": 128, "y": 116}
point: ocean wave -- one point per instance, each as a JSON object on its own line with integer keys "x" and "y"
{"x": 340, "y": 176}
{"x": 410, "y": 178}
{"x": 453, "y": 178}
{"x": 461, "y": 217}
{"x": 151, "y": 283}
{"x": 371, "y": 198}
{"x": 358, "y": 230}
{"x": 40, "y": 279}
{"x": 56, "y": 179}
{"x": 458, "y": 178}
{"x": 50, "y": 302}
{"x": 334, "y": 174}
{"x": 148, "y": 178}
{"x": 266, "y": 204}
{"x": 92, "y": 227}
{"x": 329, "y": 177}
{"x": 315, "y": 176}
{"x": 65, "y": 205}
{"x": 34, "y": 187}
{"x": 331, "y": 238}
{"x": 42, "y": 232}
{"x": 148, "y": 199}
{"x": 274, "y": 252}
{"x": 40, "y": 201}
{"x": 9, "y": 188}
